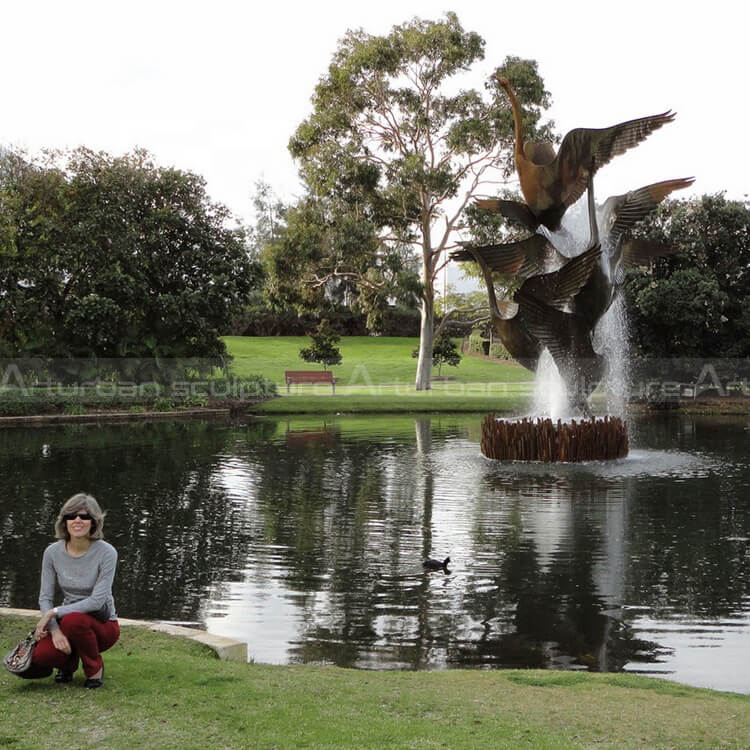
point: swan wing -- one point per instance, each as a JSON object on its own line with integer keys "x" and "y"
{"x": 641, "y": 252}
{"x": 516, "y": 211}
{"x": 520, "y": 259}
{"x": 622, "y": 212}
{"x": 561, "y": 333}
{"x": 558, "y": 288}
{"x": 585, "y": 150}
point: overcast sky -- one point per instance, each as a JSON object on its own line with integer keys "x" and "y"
{"x": 218, "y": 87}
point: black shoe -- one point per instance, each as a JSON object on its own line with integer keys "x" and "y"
{"x": 94, "y": 682}
{"x": 63, "y": 676}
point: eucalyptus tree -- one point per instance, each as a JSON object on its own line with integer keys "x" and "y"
{"x": 396, "y": 142}
{"x": 269, "y": 212}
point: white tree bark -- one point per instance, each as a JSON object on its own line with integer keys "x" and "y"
{"x": 424, "y": 361}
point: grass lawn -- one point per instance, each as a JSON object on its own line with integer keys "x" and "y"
{"x": 163, "y": 692}
{"x": 377, "y": 375}
{"x": 366, "y": 361}
{"x": 444, "y": 397}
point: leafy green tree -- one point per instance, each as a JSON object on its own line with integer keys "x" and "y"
{"x": 695, "y": 303}
{"x": 679, "y": 315}
{"x": 323, "y": 349}
{"x": 32, "y": 201}
{"x": 329, "y": 257}
{"x": 261, "y": 315}
{"x": 392, "y": 144}
{"x": 297, "y": 245}
{"x": 269, "y": 217}
{"x": 444, "y": 352}
{"x": 114, "y": 257}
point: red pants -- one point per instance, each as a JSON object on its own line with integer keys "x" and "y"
{"x": 88, "y": 638}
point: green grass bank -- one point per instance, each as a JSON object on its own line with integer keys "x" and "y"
{"x": 500, "y": 398}
{"x": 377, "y": 375}
{"x": 366, "y": 361}
{"x": 163, "y": 692}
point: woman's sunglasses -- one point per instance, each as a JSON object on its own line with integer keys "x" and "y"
{"x": 73, "y": 516}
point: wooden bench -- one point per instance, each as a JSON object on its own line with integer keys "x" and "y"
{"x": 309, "y": 376}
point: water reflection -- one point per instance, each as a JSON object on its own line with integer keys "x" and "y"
{"x": 177, "y": 533}
{"x": 305, "y": 537}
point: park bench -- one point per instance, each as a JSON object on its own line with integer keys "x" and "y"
{"x": 309, "y": 376}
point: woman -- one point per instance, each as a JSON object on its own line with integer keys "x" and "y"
{"x": 83, "y": 565}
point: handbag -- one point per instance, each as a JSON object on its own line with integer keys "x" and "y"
{"x": 18, "y": 659}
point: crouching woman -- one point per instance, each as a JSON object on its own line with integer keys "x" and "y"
{"x": 82, "y": 565}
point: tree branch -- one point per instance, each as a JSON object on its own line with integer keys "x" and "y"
{"x": 317, "y": 281}
{"x": 453, "y": 312}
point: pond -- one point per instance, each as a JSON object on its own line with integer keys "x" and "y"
{"x": 305, "y": 538}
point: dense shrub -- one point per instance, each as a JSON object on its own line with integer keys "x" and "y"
{"x": 261, "y": 320}
{"x": 477, "y": 343}
{"x": 323, "y": 349}
{"x": 695, "y": 302}
{"x": 498, "y": 351}
{"x": 68, "y": 400}
{"x": 115, "y": 258}
{"x": 401, "y": 321}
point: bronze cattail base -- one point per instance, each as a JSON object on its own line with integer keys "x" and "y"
{"x": 543, "y": 440}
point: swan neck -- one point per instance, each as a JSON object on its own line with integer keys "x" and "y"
{"x": 494, "y": 309}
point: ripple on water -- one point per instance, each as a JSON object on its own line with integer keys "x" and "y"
{"x": 640, "y": 462}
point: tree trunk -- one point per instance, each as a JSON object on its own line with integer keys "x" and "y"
{"x": 427, "y": 326}
{"x": 424, "y": 363}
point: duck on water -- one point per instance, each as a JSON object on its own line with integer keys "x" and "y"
{"x": 432, "y": 564}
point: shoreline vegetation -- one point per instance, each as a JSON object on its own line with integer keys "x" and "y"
{"x": 375, "y": 376}
{"x": 164, "y": 692}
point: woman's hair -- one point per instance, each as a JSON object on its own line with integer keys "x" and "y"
{"x": 80, "y": 502}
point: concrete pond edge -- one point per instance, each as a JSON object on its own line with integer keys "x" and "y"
{"x": 227, "y": 649}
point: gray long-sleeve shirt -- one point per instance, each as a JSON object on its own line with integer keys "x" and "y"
{"x": 85, "y": 581}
